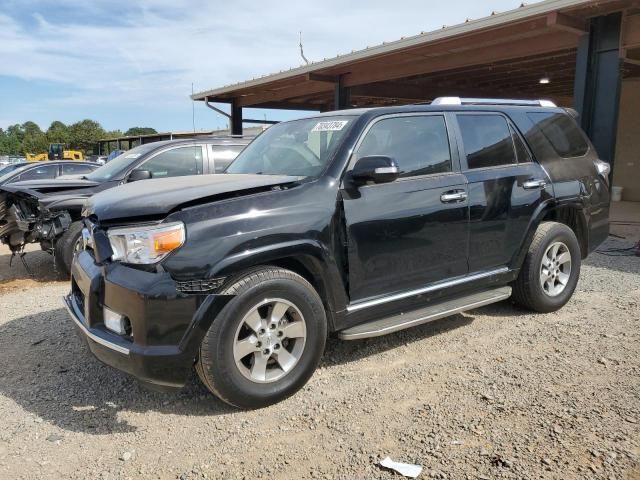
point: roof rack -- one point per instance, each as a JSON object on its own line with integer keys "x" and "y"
{"x": 492, "y": 101}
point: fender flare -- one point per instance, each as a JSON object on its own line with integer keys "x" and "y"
{"x": 312, "y": 255}
{"x": 536, "y": 219}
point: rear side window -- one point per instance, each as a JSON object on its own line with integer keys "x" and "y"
{"x": 223, "y": 155}
{"x": 419, "y": 144}
{"x": 563, "y": 134}
{"x": 487, "y": 140}
{"x": 71, "y": 169}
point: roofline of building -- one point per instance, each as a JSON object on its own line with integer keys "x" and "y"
{"x": 511, "y": 16}
{"x": 184, "y": 133}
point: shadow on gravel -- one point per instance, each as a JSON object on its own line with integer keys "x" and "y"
{"x": 50, "y": 372}
{"x": 39, "y": 267}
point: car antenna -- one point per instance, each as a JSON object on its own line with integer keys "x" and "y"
{"x": 302, "y": 49}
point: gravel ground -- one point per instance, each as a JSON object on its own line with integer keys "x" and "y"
{"x": 495, "y": 393}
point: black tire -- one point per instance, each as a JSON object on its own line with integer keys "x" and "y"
{"x": 216, "y": 365}
{"x": 527, "y": 288}
{"x": 64, "y": 248}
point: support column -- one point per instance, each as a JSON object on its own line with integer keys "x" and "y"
{"x": 236, "y": 118}
{"x": 342, "y": 96}
{"x": 597, "y": 83}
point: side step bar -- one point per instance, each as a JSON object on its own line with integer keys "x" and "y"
{"x": 384, "y": 326}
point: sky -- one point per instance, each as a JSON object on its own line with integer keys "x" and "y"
{"x": 132, "y": 63}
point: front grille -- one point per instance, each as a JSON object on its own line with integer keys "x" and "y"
{"x": 200, "y": 286}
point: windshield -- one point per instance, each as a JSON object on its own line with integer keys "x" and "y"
{"x": 297, "y": 148}
{"x": 10, "y": 168}
{"x": 119, "y": 165}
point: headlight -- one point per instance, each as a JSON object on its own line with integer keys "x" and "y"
{"x": 603, "y": 168}
{"x": 144, "y": 245}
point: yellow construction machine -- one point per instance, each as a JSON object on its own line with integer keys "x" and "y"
{"x": 56, "y": 152}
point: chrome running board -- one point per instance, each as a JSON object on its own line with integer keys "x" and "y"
{"x": 418, "y": 317}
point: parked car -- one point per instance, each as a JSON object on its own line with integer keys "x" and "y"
{"x": 46, "y": 170}
{"x": 113, "y": 155}
{"x": 357, "y": 223}
{"x": 48, "y": 211}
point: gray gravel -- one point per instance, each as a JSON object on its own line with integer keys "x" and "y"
{"x": 494, "y": 393}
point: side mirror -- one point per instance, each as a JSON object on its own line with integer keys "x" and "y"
{"x": 139, "y": 175}
{"x": 376, "y": 169}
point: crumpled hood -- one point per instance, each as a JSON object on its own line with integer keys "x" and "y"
{"x": 162, "y": 196}
{"x": 38, "y": 188}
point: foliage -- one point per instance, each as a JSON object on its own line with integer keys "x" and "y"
{"x": 20, "y": 139}
{"x": 133, "y": 131}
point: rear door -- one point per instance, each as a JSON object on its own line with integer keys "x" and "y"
{"x": 412, "y": 232}
{"x": 505, "y": 187}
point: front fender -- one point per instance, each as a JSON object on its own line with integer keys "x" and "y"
{"x": 310, "y": 255}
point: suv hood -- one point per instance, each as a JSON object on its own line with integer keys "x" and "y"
{"x": 149, "y": 198}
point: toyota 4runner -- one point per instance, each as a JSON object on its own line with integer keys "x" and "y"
{"x": 356, "y": 223}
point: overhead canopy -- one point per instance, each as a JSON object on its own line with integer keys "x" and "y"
{"x": 504, "y": 55}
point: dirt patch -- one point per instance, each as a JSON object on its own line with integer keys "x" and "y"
{"x": 496, "y": 393}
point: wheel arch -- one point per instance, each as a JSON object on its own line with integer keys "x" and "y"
{"x": 307, "y": 258}
{"x": 569, "y": 214}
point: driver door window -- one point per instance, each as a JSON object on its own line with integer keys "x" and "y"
{"x": 419, "y": 144}
{"x": 176, "y": 162}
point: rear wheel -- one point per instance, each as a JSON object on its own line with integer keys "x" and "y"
{"x": 64, "y": 249}
{"x": 550, "y": 271}
{"x": 267, "y": 341}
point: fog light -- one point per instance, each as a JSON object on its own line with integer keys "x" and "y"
{"x": 115, "y": 322}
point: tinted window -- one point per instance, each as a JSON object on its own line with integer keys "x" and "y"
{"x": 565, "y": 136}
{"x": 177, "y": 162}
{"x": 487, "y": 140}
{"x": 43, "y": 172}
{"x": 418, "y": 143}
{"x": 223, "y": 155}
{"x": 72, "y": 169}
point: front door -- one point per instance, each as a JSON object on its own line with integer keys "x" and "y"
{"x": 411, "y": 232}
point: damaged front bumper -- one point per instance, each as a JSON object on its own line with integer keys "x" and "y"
{"x": 166, "y": 326}
{"x": 24, "y": 220}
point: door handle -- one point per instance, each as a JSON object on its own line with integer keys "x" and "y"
{"x": 533, "y": 184}
{"x": 454, "y": 196}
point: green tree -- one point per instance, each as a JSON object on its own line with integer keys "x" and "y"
{"x": 84, "y": 135}
{"x": 135, "y": 131}
{"x": 34, "y": 140}
{"x": 58, "y": 132}
{"x": 114, "y": 134}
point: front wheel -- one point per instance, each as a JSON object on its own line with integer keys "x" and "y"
{"x": 550, "y": 271}
{"x": 267, "y": 341}
{"x": 65, "y": 248}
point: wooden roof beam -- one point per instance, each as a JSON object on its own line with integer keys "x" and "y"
{"x": 566, "y": 23}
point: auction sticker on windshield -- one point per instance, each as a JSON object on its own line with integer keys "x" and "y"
{"x": 332, "y": 126}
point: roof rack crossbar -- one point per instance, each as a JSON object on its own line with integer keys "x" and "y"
{"x": 492, "y": 101}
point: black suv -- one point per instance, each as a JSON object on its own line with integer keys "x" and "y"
{"x": 48, "y": 211}
{"x": 356, "y": 223}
